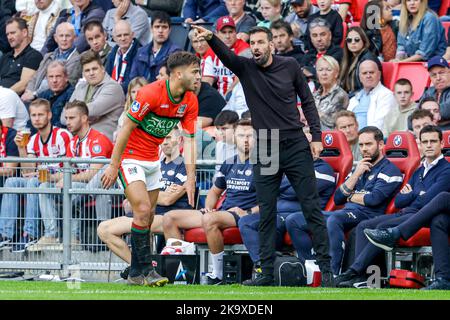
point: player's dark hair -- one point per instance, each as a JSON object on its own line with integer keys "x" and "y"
{"x": 377, "y": 133}
{"x": 226, "y": 117}
{"x": 281, "y": 24}
{"x": 431, "y": 128}
{"x": 420, "y": 114}
{"x": 20, "y": 21}
{"x": 181, "y": 58}
{"x": 162, "y": 16}
{"x": 41, "y": 102}
{"x": 92, "y": 24}
{"x": 80, "y": 105}
{"x": 261, "y": 29}
{"x": 90, "y": 56}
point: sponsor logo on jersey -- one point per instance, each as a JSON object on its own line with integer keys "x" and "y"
{"x": 164, "y": 106}
{"x": 97, "y": 149}
{"x": 135, "y": 106}
{"x": 144, "y": 109}
{"x": 181, "y": 110}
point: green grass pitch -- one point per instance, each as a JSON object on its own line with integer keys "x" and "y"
{"x": 37, "y": 290}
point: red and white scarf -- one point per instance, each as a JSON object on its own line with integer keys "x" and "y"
{"x": 120, "y": 65}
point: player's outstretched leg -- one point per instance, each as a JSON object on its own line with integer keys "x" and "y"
{"x": 141, "y": 270}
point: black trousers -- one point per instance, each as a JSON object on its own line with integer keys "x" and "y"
{"x": 291, "y": 156}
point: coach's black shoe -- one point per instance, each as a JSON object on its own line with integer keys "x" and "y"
{"x": 343, "y": 277}
{"x": 353, "y": 282}
{"x": 260, "y": 280}
{"x": 328, "y": 280}
{"x": 438, "y": 284}
{"x": 125, "y": 272}
{"x": 382, "y": 238}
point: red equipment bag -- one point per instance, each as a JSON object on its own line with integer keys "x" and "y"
{"x": 399, "y": 278}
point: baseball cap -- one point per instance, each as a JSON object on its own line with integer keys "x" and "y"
{"x": 225, "y": 21}
{"x": 437, "y": 61}
{"x": 299, "y": 2}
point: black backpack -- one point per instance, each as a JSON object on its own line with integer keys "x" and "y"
{"x": 289, "y": 271}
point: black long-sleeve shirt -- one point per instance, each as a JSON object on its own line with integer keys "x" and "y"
{"x": 271, "y": 92}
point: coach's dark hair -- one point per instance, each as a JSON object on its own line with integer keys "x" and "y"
{"x": 162, "y": 16}
{"x": 281, "y": 24}
{"x": 80, "y": 105}
{"x": 261, "y": 29}
{"x": 427, "y": 99}
{"x": 20, "y": 21}
{"x": 181, "y": 58}
{"x": 421, "y": 113}
{"x": 92, "y": 24}
{"x": 90, "y": 56}
{"x": 226, "y": 117}
{"x": 41, "y": 102}
{"x": 431, "y": 128}
{"x": 377, "y": 133}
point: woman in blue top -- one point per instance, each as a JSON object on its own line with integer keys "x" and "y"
{"x": 421, "y": 34}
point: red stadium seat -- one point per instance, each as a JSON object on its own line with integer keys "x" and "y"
{"x": 445, "y": 4}
{"x": 446, "y": 149}
{"x": 401, "y": 149}
{"x": 416, "y": 72}
{"x": 388, "y": 74}
{"x": 446, "y": 25}
{"x": 338, "y": 154}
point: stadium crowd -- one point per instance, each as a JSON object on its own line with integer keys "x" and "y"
{"x": 70, "y": 71}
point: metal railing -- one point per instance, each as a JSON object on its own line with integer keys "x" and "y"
{"x": 79, "y": 205}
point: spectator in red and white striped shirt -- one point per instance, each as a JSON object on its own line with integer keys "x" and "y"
{"x": 86, "y": 143}
{"x": 49, "y": 141}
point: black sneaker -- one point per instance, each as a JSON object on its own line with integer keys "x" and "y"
{"x": 125, "y": 272}
{"x": 5, "y": 243}
{"x": 328, "y": 280}
{"x": 353, "y": 281}
{"x": 260, "y": 280}
{"x": 382, "y": 238}
{"x": 347, "y": 275}
{"x": 438, "y": 284}
{"x": 212, "y": 280}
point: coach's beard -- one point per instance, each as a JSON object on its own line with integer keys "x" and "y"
{"x": 261, "y": 59}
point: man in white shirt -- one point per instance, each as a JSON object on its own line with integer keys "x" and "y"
{"x": 374, "y": 101}
{"x": 42, "y": 22}
{"x": 13, "y": 112}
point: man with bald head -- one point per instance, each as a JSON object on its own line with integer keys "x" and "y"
{"x": 374, "y": 101}
{"x": 66, "y": 52}
{"x": 120, "y": 59}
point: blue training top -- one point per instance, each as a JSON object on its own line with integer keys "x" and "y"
{"x": 379, "y": 186}
{"x": 173, "y": 172}
{"x": 237, "y": 179}
{"x": 326, "y": 183}
{"x": 424, "y": 189}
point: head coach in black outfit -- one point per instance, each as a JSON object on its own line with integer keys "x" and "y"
{"x": 271, "y": 85}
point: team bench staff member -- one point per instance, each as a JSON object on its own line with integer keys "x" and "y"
{"x": 271, "y": 85}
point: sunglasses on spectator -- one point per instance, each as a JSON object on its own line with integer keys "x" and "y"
{"x": 319, "y": 24}
{"x": 355, "y": 40}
